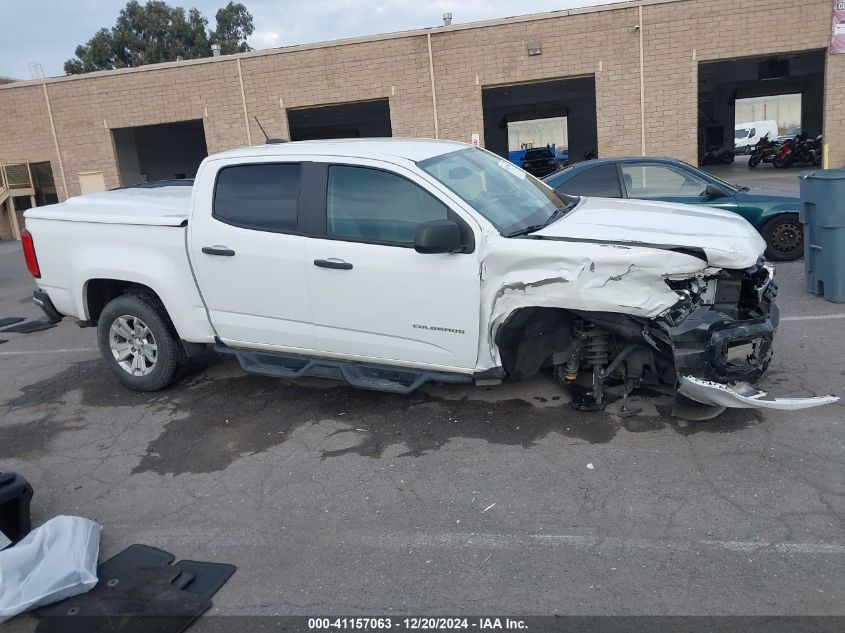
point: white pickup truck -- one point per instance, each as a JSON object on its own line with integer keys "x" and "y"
{"x": 390, "y": 263}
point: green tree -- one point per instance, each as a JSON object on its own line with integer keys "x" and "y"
{"x": 97, "y": 54}
{"x": 234, "y": 25}
{"x": 155, "y": 32}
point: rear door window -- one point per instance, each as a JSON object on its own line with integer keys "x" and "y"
{"x": 600, "y": 181}
{"x": 261, "y": 197}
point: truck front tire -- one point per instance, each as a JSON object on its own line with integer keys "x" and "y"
{"x": 139, "y": 344}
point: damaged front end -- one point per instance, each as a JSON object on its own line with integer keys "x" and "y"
{"x": 724, "y": 332}
{"x": 711, "y": 346}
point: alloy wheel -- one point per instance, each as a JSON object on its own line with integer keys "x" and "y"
{"x": 133, "y": 345}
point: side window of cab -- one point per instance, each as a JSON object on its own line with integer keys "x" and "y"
{"x": 373, "y": 205}
{"x": 260, "y": 197}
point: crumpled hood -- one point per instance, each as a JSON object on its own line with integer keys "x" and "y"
{"x": 727, "y": 239}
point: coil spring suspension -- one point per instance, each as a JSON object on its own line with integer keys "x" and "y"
{"x": 589, "y": 358}
{"x": 597, "y": 348}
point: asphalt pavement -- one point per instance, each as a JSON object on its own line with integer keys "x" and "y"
{"x": 764, "y": 176}
{"x": 453, "y": 500}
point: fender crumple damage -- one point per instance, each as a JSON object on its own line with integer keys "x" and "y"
{"x": 635, "y": 316}
{"x": 624, "y": 279}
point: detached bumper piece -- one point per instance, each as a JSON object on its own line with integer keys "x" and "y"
{"x": 720, "y": 348}
{"x": 741, "y": 395}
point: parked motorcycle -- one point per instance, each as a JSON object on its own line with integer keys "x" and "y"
{"x": 764, "y": 152}
{"x": 817, "y": 150}
{"x": 786, "y": 153}
{"x": 716, "y": 154}
{"x": 799, "y": 150}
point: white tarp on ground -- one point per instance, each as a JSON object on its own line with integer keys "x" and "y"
{"x": 53, "y": 562}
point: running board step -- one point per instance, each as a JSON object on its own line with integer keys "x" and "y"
{"x": 362, "y": 375}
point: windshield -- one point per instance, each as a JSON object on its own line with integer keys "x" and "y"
{"x": 707, "y": 174}
{"x": 727, "y": 184}
{"x": 507, "y": 196}
{"x": 741, "y": 133}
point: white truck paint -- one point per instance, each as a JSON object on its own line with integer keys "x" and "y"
{"x": 650, "y": 266}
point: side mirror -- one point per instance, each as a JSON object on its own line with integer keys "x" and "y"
{"x": 438, "y": 236}
{"x": 712, "y": 192}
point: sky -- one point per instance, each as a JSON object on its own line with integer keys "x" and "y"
{"x": 48, "y": 31}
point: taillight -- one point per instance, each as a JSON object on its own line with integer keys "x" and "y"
{"x": 29, "y": 254}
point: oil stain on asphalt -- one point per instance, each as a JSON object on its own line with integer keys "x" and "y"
{"x": 219, "y": 420}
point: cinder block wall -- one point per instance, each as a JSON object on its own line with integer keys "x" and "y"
{"x": 591, "y": 43}
{"x": 25, "y": 133}
{"x": 834, "y": 109}
{"x": 396, "y": 69}
{"x": 679, "y": 35}
{"x": 601, "y": 41}
{"x": 5, "y": 223}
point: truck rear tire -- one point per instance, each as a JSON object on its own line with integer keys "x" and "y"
{"x": 139, "y": 344}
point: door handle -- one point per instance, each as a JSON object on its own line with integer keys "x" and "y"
{"x": 218, "y": 250}
{"x": 333, "y": 263}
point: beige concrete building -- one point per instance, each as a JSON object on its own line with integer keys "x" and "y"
{"x": 657, "y": 77}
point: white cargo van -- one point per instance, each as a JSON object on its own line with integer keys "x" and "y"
{"x": 747, "y": 135}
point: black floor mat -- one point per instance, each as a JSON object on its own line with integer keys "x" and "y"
{"x": 134, "y": 555}
{"x": 10, "y": 320}
{"x": 207, "y": 578}
{"x": 29, "y": 327}
{"x": 139, "y": 591}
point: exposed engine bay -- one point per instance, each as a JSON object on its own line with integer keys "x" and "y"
{"x": 711, "y": 346}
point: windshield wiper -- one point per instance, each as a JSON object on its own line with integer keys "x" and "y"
{"x": 526, "y": 230}
{"x": 558, "y": 213}
{"x": 562, "y": 211}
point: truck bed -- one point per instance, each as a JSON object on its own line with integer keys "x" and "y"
{"x": 166, "y": 205}
{"x": 133, "y": 235}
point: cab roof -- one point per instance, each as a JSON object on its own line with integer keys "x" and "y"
{"x": 413, "y": 149}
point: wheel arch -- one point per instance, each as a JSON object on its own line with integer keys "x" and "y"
{"x": 98, "y": 292}
{"x": 529, "y": 338}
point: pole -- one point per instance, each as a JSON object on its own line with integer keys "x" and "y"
{"x": 433, "y": 91}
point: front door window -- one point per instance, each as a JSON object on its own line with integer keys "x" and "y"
{"x": 376, "y": 206}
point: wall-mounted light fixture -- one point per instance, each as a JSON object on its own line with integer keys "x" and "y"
{"x": 447, "y": 19}
{"x": 534, "y": 48}
{"x": 215, "y": 50}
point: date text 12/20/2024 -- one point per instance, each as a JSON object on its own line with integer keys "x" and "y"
{"x": 416, "y": 624}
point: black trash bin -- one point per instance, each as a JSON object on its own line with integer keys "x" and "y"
{"x": 15, "y": 497}
{"x": 823, "y": 217}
